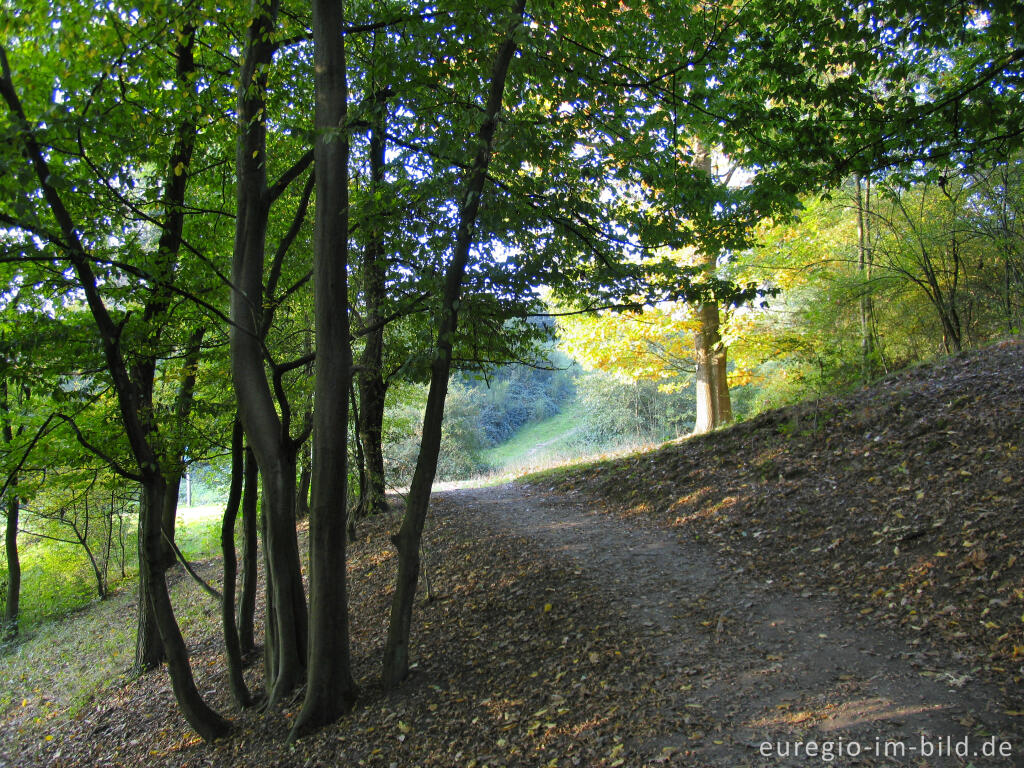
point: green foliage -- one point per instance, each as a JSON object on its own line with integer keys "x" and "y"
{"x": 616, "y": 414}
{"x": 939, "y": 271}
{"x": 516, "y": 395}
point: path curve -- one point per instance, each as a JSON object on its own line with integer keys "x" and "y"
{"x": 770, "y": 665}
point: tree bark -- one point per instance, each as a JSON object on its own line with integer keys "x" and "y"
{"x": 714, "y": 406}
{"x": 266, "y": 431}
{"x": 395, "y": 666}
{"x": 207, "y": 723}
{"x": 12, "y": 605}
{"x": 330, "y": 688}
{"x": 232, "y": 644}
{"x": 250, "y": 562}
{"x": 865, "y": 261}
{"x": 372, "y": 387}
{"x": 149, "y": 653}
{"x": 302, "y": 494}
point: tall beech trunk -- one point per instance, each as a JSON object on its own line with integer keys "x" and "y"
{"x": 266, "y": 430}
{"x": 302, "y": 493}
{"x": 714, "y": 405}
{"x": 232, "y": 644}
{"x": 250, "y": 561}
{"x": 148, "y": 653}
{"x": 705, "y": 340}
{"x": 149, "y": 648}
{"x": 395, "y": 666}
{"x": 208, "y": 724}
{"x": 137, "y": 418}
{"x": 372, "y": 394}
{"x": 330, "y": 688}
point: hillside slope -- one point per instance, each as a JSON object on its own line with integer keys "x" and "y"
{"x": 905, "y": 498}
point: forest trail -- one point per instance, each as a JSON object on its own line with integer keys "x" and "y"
{"x": 763, "y": 663}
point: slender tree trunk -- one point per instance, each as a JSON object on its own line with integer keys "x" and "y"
{"x": 148, "y": 651}
{"x": 396, "y": 652}
{"x": 266, "y": 430}
{"x": 302, "y": 494}
{"x": 372, "y": 388}
{"x": 372, "y": 393}
{"x": 207, "y": 723}
{"x": 232, "y": 645}
{"x": 330, "y": 688}
{"x": 865, "y": 261}
{"x": 354, "y": 511}
{"x": 11, "y": 607}
{"x": 714, "y": 406}
{"x": 250, "y": 562}
{"x": 286, "y": 599}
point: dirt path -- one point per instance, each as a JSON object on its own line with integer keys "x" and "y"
{"x": 766, "y": 665}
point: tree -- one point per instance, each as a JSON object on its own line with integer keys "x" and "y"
{"x": 396, "y": 652}
{"x": 267, "y": 430}
{"x": 132, "y": 395}
{"x": 330, "y": 689}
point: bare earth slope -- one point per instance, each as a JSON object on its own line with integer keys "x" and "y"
{"x": 835, "y": 578}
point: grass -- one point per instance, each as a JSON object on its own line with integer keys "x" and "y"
{"x": 545, "y": 446}
{"x": 66, "y": 656}
{"x": 198, "y": 530}
{"x": 540, "y": 443}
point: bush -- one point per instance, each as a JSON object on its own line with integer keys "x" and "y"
{"x": 617, "y": 413}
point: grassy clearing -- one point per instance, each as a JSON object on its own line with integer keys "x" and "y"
{"x": 542, "y": 443}
{"x": 546, "y": 446}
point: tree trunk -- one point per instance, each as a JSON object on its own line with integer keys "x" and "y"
{"x": 286, "y": 604}
{"x": 250, "y": 563}
{"x": 714, "y": 406}
{"x": 372, "y": 393}
{"x": 865, "y": 261}
{"x": 395, "y": 666}
{"x": 330, "y": 688}
{"x": 149, "y": 650}
{"x": 266, "y": 430}
{"x": 302, "y": 494}
{"x": 372, "y": 388}
{"x": 208, "y": 724}
{"x": 11, "y": 607}
{"x": 232, "y": 645}
{"x": 9, "y": 629}
{"x": 710, "y": 360}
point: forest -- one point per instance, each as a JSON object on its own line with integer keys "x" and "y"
{"x": 272, "y": 272}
